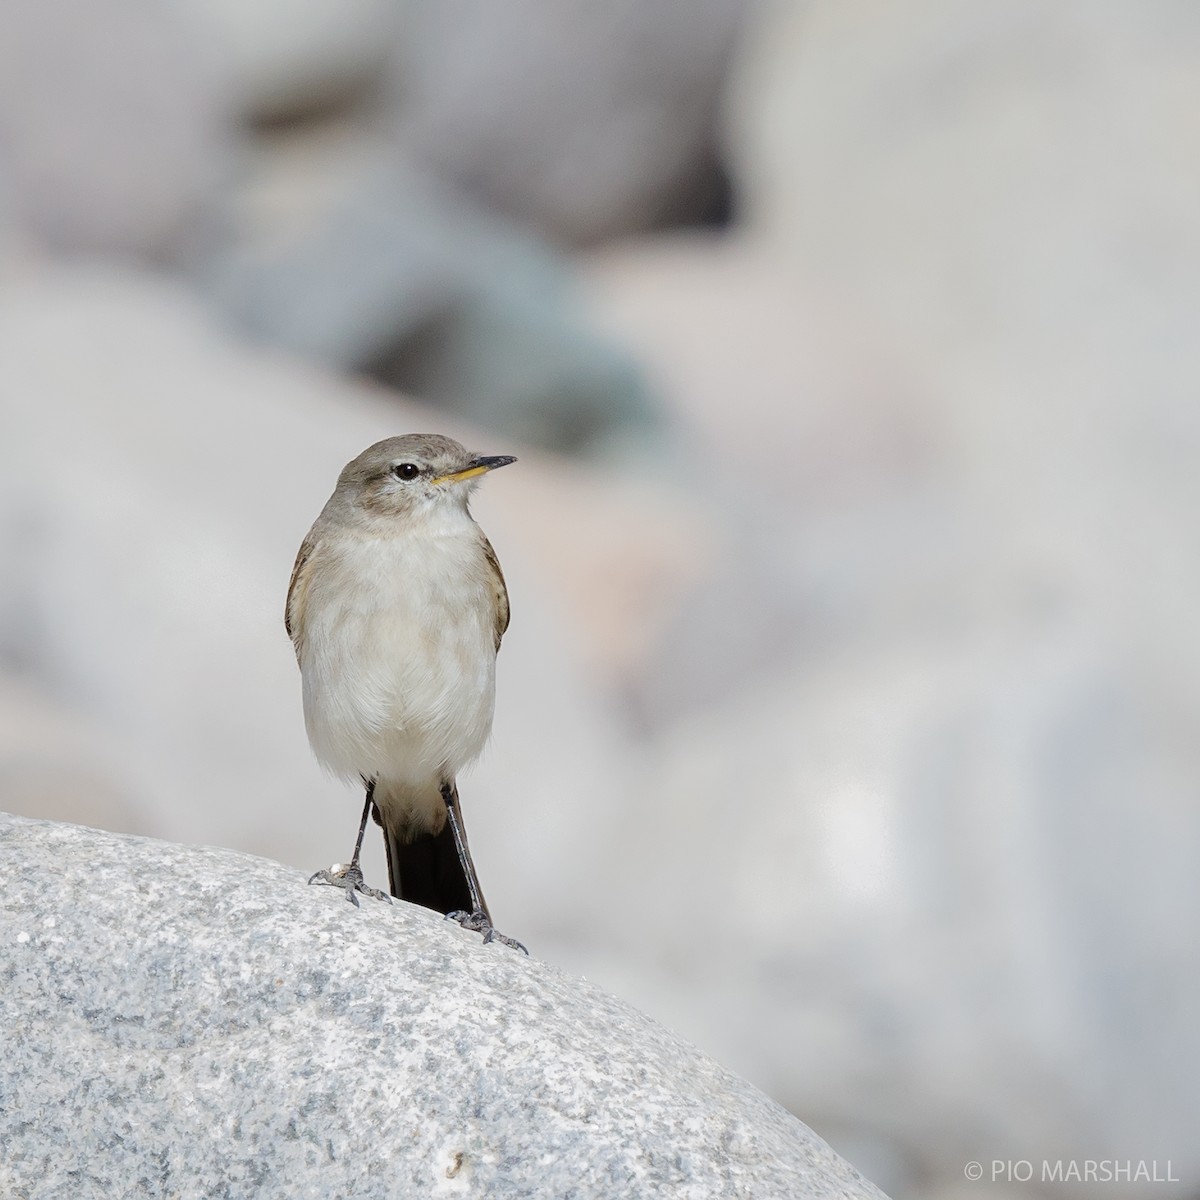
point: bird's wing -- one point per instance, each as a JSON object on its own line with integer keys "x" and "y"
{"x": 293, "y": 612}
{"x": 499, "y": 591}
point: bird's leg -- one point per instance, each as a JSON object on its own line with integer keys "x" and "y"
{"x": 478, "y": 918}
{"x": 350, "y": 877}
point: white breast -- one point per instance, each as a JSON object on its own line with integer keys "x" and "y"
{"x": 398, "y": 655}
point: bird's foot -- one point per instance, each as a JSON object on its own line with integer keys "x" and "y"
{"x": 478, "y": 922}
{"x": 350, "y": 878}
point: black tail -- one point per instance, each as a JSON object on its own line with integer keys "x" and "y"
{"x": 428, "y": 872}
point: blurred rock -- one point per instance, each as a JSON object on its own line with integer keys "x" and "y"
{"x": 175, "y": 473}
{"x": 342, "y": 252}
{"x": 55, "y": 764}
{"x": 954, "y": 878}
{"x": 623, "y": 553}
{"x": 113, "y": 128}
{"x": 288, "y": 58}
{"x": 584, "y": 121}
{"x": 1014, "y": 194}
{"x": 1013, "y": 189}
{"x": 943, "y": 825}
{"x": 772, "y": 382}
{"x": 165, "y": 993}
{"x": 803, "y": 437}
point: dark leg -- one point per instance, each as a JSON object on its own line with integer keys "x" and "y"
{"x": 351, "y": 877}
{"x": 478, "y": 918}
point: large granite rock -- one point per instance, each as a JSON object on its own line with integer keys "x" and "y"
{"x": 193, "y": 1021}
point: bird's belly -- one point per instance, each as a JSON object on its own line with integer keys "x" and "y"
{"x": 401, "y": 683}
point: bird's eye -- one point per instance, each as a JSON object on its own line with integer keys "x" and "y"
{"x": 406, "y": 470}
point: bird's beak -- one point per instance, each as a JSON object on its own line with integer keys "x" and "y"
{"x": 479, "y": 465}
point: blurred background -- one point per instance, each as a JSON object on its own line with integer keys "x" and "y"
{"x": 848, "y": 720}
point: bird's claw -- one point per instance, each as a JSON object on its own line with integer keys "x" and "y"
{"x": 349, "y": 878}
{"x": 478, "y": 922}
{"x": 475, "y": 921}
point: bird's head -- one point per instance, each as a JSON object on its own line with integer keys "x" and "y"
{"x": 403, "y": 476}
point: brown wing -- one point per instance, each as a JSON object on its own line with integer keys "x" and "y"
{"x": 499, "y": 591}
{"x": 293, "y": 612}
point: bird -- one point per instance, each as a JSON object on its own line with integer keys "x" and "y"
{"x": 396, "y": 609}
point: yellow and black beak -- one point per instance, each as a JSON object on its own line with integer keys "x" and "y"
{"x": 479, "y": 465}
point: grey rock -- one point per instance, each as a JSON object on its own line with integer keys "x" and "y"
{"x": 838, "y": 441}
{"x": 587, "y": 121}
{"x": 393, "y": 272}
{"x": 54, "y": 763}
{"x": 113, "y": 126}
{"x": 1014, "y": 187}
{"x": 288, "y": 58}
{"x": 197, "y": 1022}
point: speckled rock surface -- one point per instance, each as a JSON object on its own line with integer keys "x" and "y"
{"x": 195, "y": 1022}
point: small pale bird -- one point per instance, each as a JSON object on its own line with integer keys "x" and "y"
{"x": 396, "y": 609}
